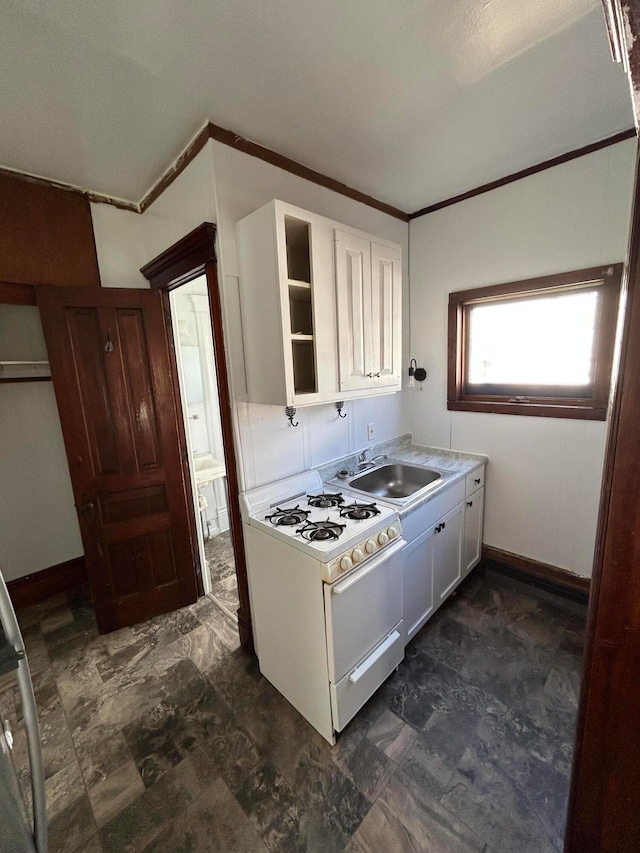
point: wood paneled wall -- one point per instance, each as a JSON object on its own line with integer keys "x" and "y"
{"x": 46, "y": 235}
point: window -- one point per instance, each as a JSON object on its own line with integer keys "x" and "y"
{"x": 543, "y": 346}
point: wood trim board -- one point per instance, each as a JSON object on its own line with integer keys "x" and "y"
{"x": 525, "y": 173}
{"x": 604, "y": 802}
{"x": 98, "y": 198}
{"x": 254, "y": 149}
{"x": 552, "y": 578}
{"x": 12, "y": 293}
{"x": 36, "y": 587}
{"x": 190, "y": 152}
{"x": 185, "y": 260}
{"x": 179, "y": 261}
{"x": 539, "y": 401}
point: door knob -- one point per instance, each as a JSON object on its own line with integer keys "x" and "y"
{"x": 87, "y": 507}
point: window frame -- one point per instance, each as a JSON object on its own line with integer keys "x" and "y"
{"x": 558, "y": 403}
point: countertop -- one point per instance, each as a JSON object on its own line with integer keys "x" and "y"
{"x": 455, "y": 463}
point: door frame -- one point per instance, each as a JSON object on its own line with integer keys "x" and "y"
{"x": 192, "y": 256}
{"x": 604, "y": 800}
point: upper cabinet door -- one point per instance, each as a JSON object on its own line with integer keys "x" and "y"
{"x": 386, "y": 314}
{"x": 353, "y": 293}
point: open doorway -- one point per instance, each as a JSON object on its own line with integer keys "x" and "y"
{"x": 197, "y": 378}
{"x": 192, "y": 260}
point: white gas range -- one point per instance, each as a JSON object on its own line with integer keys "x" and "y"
{"x": 325, "y": 580}
{"x": 337, "y": 529}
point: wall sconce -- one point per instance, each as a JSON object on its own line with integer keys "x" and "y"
{"x": 416, "y": 373}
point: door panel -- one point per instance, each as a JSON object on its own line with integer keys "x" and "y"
{"x": 353, "y": 286}
{"x": 112, "y": 375}
{"x": 417, "y": 583}
{"x": 447, "y": 554}
{"x": 473, "y": 512}
{"x": 386, "y": 307}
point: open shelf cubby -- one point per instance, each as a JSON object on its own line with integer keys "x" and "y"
{"x": 304, "y": 367}
{"x": 300, "y": 295}
{"x": 296, "y": 234}
{"x": 300, "y": 310}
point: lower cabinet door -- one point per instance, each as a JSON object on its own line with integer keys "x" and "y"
{"x": 417, "y": 583}
{"x": 472, "y": 549}
{"x": 447, "y": 553}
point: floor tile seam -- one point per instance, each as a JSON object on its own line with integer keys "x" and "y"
{"x": 250, "y": 815}
{"x": 442, "y": 787}
{"x": 513, "y": 784}
{"x": 472, "y": 832}
{"x": 75, "y": 752}
{"x": 396, "y": 817}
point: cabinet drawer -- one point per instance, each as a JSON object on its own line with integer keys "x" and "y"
{"x": 352, "y": 691}
{"x": 475, "y": 480}
{"x": 415, "y": 523}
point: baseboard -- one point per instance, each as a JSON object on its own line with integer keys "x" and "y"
{"x": 540, "y": 575}
{"x": 32, "y": 589}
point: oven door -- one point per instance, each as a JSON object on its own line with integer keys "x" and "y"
{"x": 362, "y": 609}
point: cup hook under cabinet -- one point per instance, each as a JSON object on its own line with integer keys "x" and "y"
{"x": 291, "y": 413}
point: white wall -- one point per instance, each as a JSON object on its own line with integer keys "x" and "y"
{"x": 126, "y": 241}
{"x": 38, "y": 523}
{"x": 269, "y": 447}
{"x": 543, "y": 480}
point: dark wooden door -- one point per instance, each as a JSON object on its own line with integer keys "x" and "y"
{"x": 112, "y": 374}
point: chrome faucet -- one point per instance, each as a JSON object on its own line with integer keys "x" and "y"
{"x": 364, "y": 463}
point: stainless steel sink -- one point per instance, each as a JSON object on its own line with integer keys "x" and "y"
{"x": 395, "y": 480}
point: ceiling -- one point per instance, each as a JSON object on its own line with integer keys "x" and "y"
{"x": 411, "y": 101}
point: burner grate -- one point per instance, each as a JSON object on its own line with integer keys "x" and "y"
{"x": 288, "y": 517}
{"x": 326, "y": 500}
{"x": 321, "y": 531}
{"x": 359, "y": 512}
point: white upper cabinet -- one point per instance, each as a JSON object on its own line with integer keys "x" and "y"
{"x": 321, "y": 316}
{"x": 369, "y": 299}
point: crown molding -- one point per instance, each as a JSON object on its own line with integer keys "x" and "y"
{"x": 524, "y": 173}
{"x": 253, "y": 149}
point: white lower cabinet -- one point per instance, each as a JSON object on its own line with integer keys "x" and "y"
{"x": 473, "y": 515}
{"x": 439, "y": 554}
{"x": 447, "y": 554}
{"x": 417, "y": 579}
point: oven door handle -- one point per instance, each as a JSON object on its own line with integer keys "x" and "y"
{"x": 364, "y": 667}
{"x": 347, "y": 583}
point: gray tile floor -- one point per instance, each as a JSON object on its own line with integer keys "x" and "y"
{"x": 165, "y": 737}
{"x": 222, "y": 568}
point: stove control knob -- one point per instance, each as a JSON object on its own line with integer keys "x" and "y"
{"x": 370, "y": 547}
{"x": 357, "y": 556}
{"x": 345, "y": 564}
{"x": 383, "y": 538}
{"x": 393, "y": 532}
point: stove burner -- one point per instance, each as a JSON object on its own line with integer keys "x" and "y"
{"x": 321, "y": 531}
{"x": 359, "y": 511}
{"x": 326, "y": 500}
{"x": 288, "y": 517}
